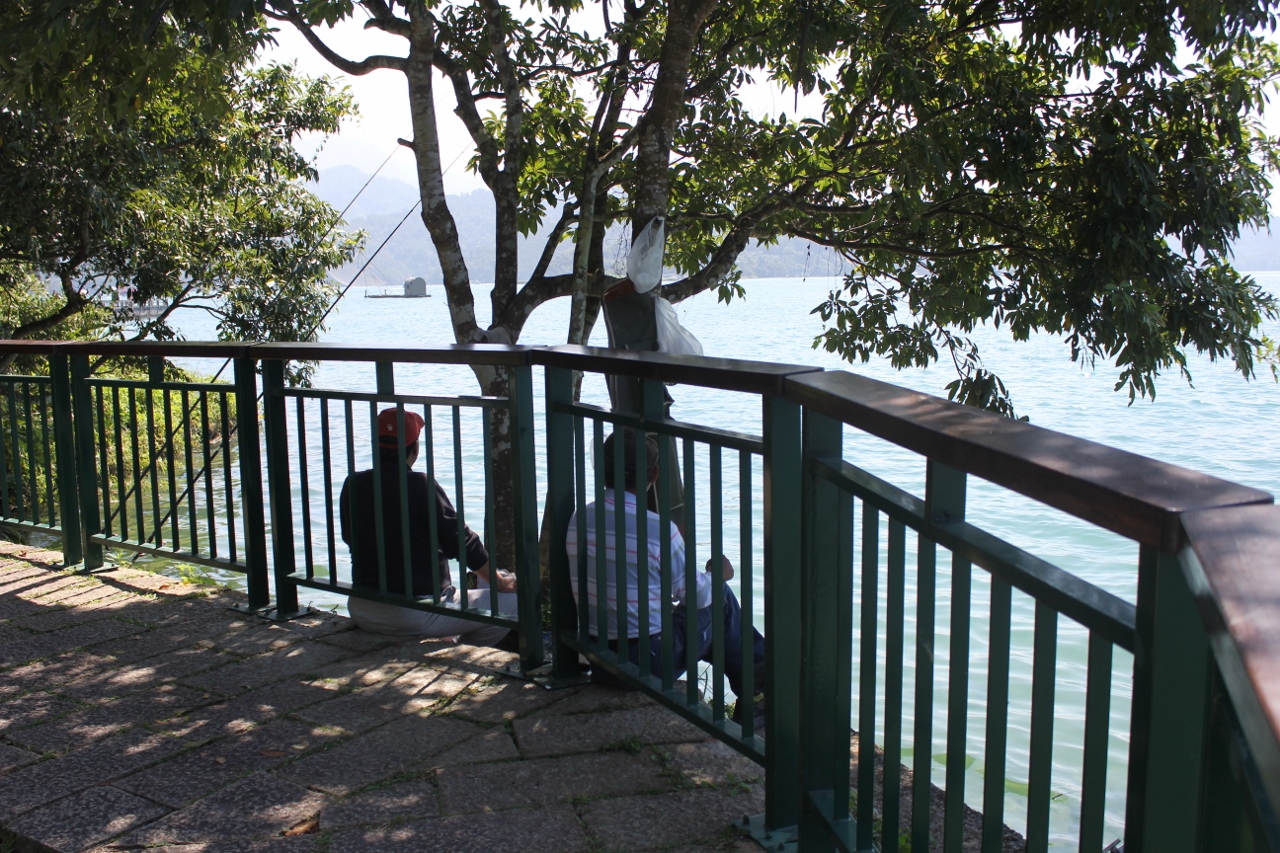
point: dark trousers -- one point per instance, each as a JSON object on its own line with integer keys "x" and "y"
{"x": 734, "y": 653}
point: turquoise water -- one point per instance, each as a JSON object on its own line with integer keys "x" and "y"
{"x": 1221, "y": 425}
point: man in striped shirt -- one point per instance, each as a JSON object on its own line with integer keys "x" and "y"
{"x": 701, "y": 596}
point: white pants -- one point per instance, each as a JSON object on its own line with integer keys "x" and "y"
{"x": 382, "y": 618}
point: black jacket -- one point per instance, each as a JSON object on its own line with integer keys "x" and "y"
{"x": 359, "y": 530}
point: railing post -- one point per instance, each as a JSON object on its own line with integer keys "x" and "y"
{"x": 826, "y": 585}
{"x": 782, "y": 548}
{"x": 278, "y": 488}
{"x": 86, "y": 471}
{"x": 255, "y": 526}
{"x": 65, "y": 455}
{"x": 560, "y": 496}
{"x": 1171, "y": 686}
{"x": 945, "y": 504}
{"x": 524, "y": 486}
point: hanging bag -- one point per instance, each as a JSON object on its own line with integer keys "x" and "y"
{"x": 672, "y": 337}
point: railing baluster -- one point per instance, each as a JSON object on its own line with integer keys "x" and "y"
{"x": 490, "y": 531}
{"x": 228, "y": 489}
{"x": 379, "y": 519}
{"x": 104, "y": 460}
{"x": 746, "y": 702}
{"x": 666, "y": 473}
{"x": 641, "y": 464}
{"x": 206, "y": 468}
{"x": 304, "y": 487}
{"x": 51, "y": 502}
{"x": 326, "y": 462}
{"x": 402, "y": 489}
{"x": 603, "y": 615}
{"x": 716, "y": 476}
{"x": 5, "y": 462}
{"x": 74, "y": 475}
{"x": 868, "y": 629}
{"x": 275, "y": 421}
{"x": 190, "y": 472}
{"x": 171, "y": 476}
{"x": 32, "y": 458}
{"x": 153, "y": 467}
{"x": 1040, "y": 767}
{"x": 433, "y": 530}
{"x": 895, "y": 652}
{"x": 19, "y": 503}
{"x": 997, "y": 717}
{"x": 525, "y": 487}
{"x": 253, "y": 506}
{"x": 620, "y": 614}
{"x": 693, "y": 696}
{"x": 123, "y": 507}
{"x": 140, "y": 525}
{"x": 580, "y": 509}
{"x": 459, "y": 499}
{"x": 1097, "y": 717}
{"x": 922, "y": 733}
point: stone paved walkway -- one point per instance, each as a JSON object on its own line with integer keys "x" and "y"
{"x": 140, "y": 712}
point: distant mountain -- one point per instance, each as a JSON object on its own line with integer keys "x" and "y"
{"x": 380, "y": 208}
{"x": 1258, "y": 251}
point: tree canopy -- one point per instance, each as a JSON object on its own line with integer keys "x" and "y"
{"x": 192, "y": 196}
{"x": 1058, "y": 166}
{"x": 1054, "y": 166}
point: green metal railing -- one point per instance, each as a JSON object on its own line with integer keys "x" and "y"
{"x": 894, "y": 625}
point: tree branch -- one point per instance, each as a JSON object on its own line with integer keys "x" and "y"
{"x": 466, "y": 110}
{"x": 358, "y": 69}
{"x": 382, "y": 18}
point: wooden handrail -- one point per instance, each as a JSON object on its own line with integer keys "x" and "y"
{"x": 1135, "y": 496}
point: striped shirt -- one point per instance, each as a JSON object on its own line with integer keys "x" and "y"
{"x": 653, "y": 547}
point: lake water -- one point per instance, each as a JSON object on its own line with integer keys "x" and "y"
{"x": 1221, "y": 425}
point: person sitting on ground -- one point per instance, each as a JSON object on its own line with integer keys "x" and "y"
{"x": 357, "y": 508}
{"x": 701, "y": 596}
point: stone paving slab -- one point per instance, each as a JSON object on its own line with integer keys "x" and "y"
{"x": 259, "y": 807}
{"x": 200, "y": 772}
{"x": 640, "y": 823}
{"x": 522, "y": 784}
{"x": 147, "y": 715}
{"x": 77, "y": 636}
{"x": 558, "y": 735}
{"x": 244, "y": 712}
{"x": 46, "y": 781}
{"x": 553, "y": 829}
{"x": 32, "y": 708}
{"x": 404, "y": 746}
{"x": 244, "y": 675}
{"x": 399, "y": 802}
{"x": 147, "y": 674}
{"x": 12, "y": 757}
{"x": 86, "y": 818}
{"x": 59, "y": 669}
{"x": 85, "y": 726}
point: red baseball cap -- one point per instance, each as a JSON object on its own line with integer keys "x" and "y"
{"x": 413, "y": 423}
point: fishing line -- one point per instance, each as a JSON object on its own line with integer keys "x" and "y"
{"x": 168, "y": 514}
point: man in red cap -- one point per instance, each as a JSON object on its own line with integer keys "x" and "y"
{"x": 359, "y": 508}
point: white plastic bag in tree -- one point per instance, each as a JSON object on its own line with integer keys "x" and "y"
{"x": 644, "y": 264}
{"x": 672, "y": 337}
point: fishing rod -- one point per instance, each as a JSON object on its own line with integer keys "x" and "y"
{"x": 226, "y": 363}
{"x": 186, "y": 490}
